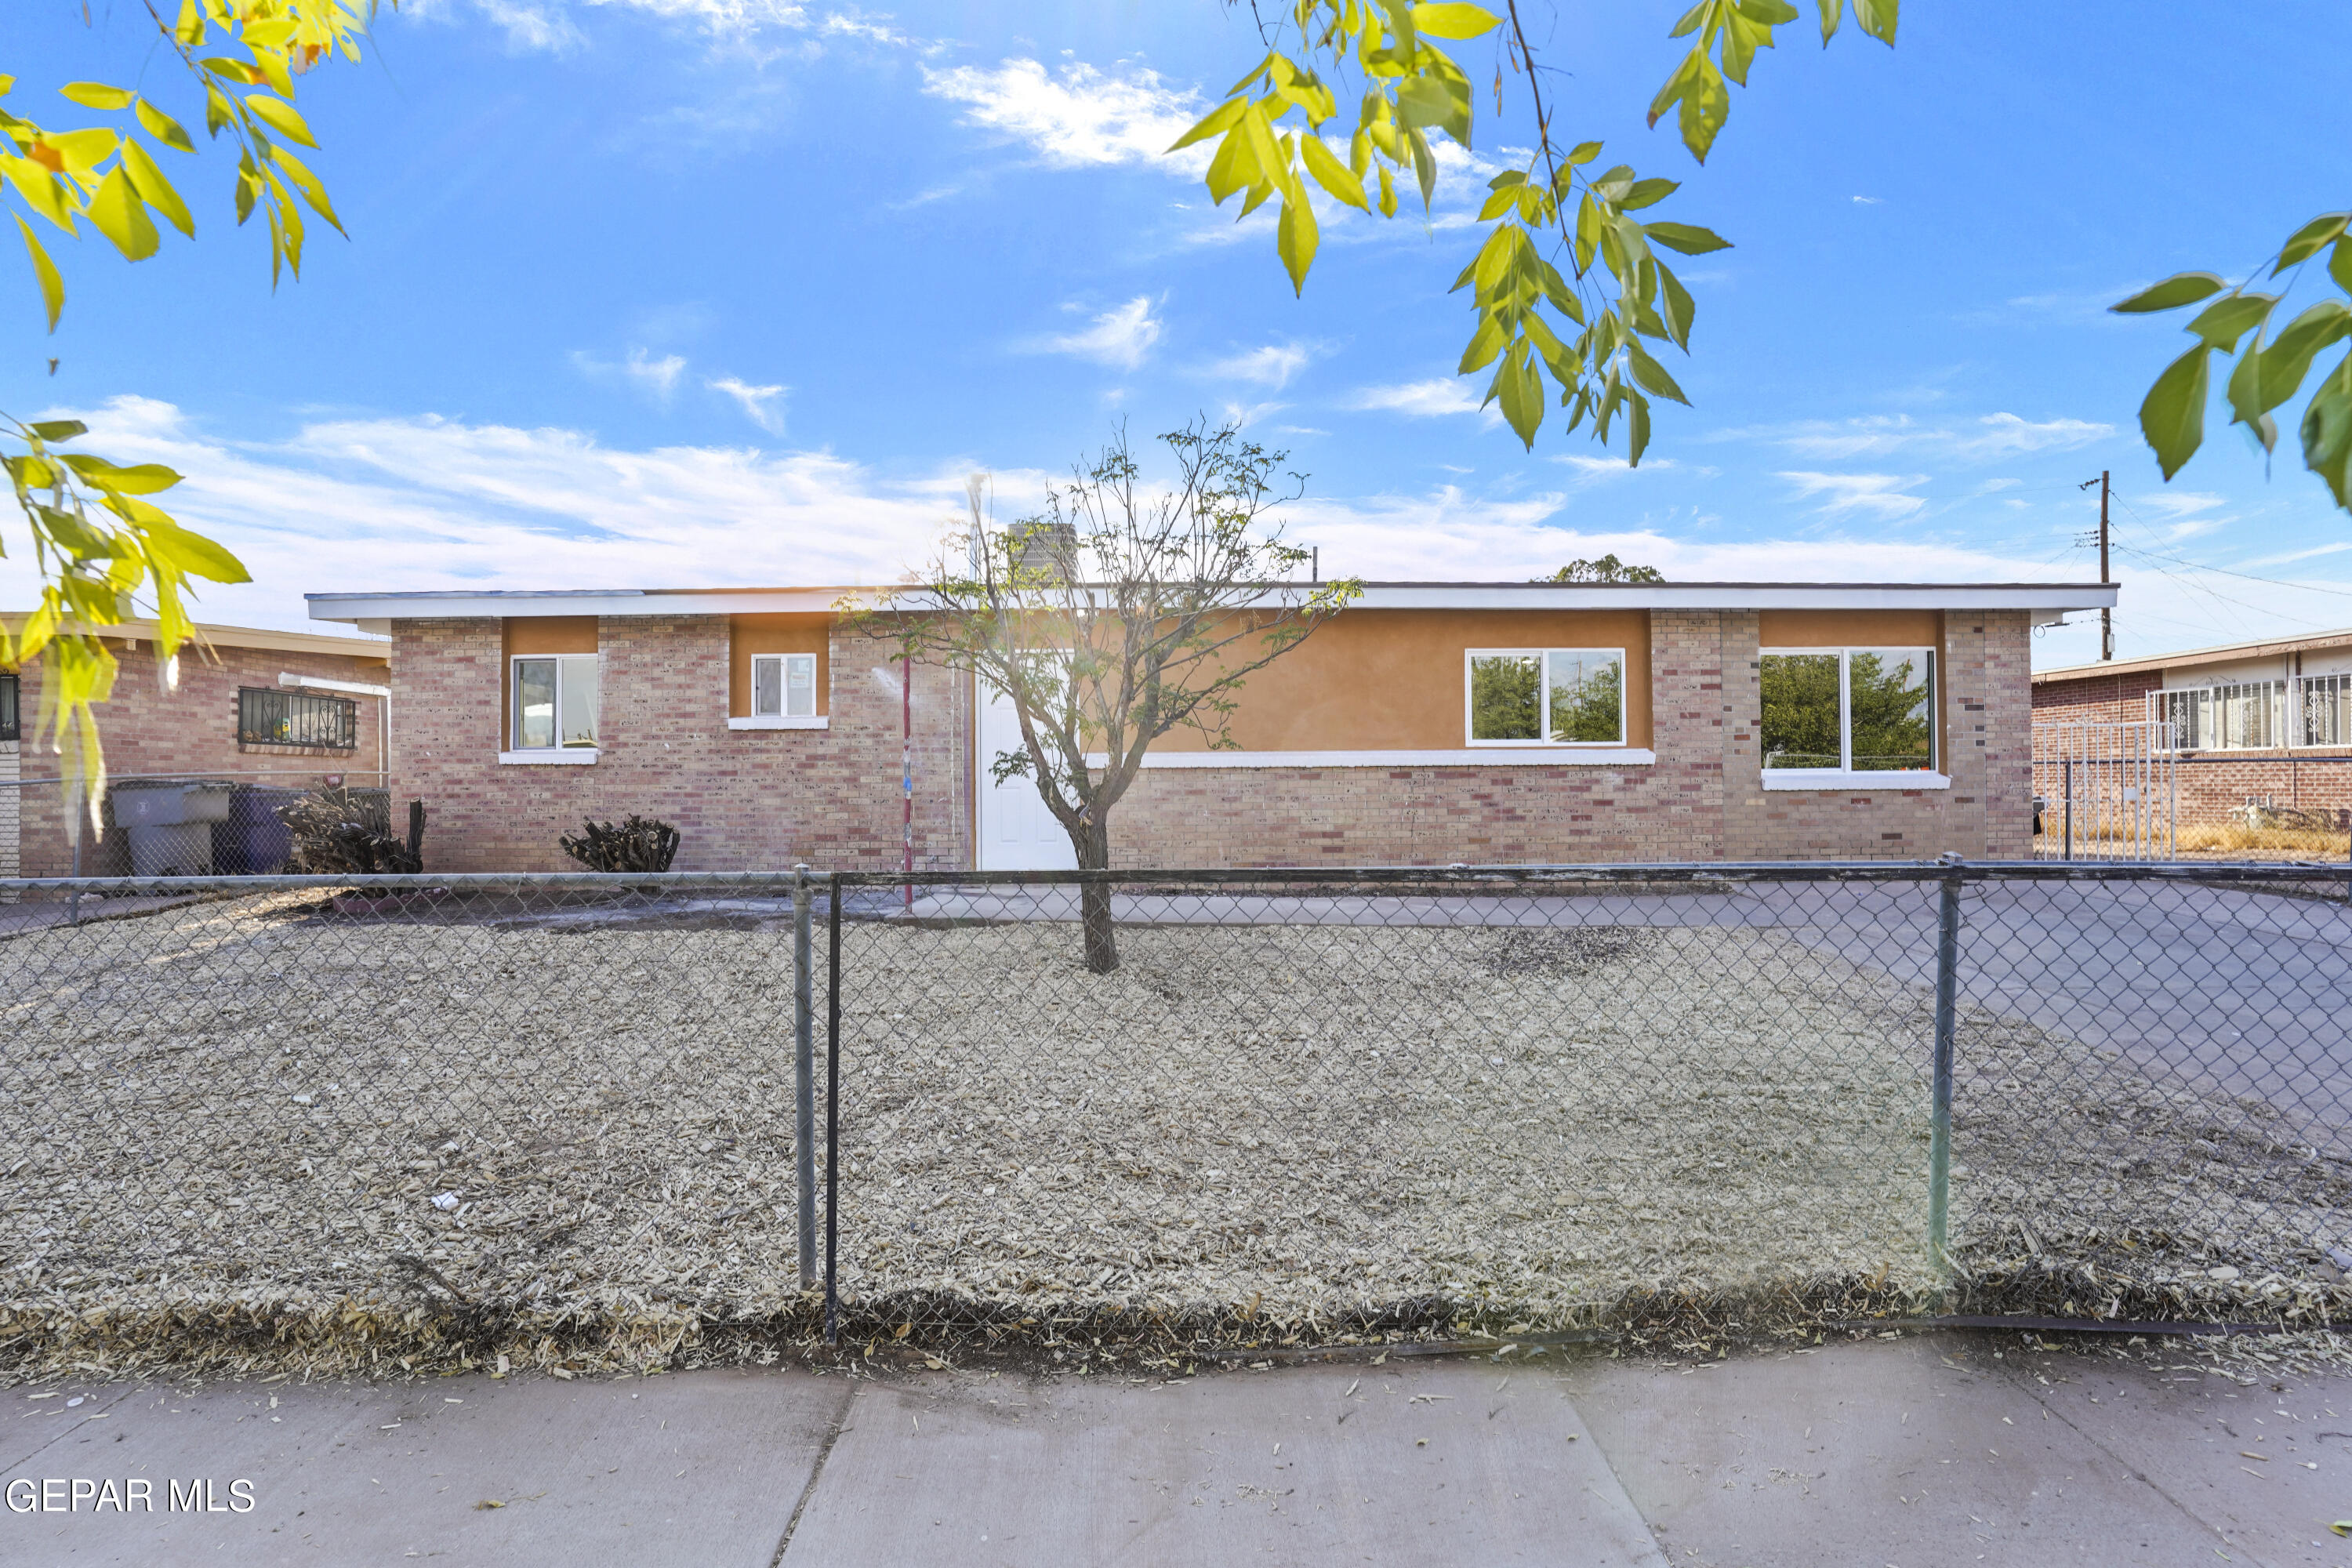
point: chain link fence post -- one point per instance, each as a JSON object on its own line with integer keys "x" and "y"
{"x": 804, "y": 1074}
{"x": 832, "y": 1105}
{"x": 1939, "y": 1136}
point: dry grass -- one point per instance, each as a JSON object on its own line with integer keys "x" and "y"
{"x": 228, "y": 1123}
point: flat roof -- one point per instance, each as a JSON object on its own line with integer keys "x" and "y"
{"x": 2048, "y": 597}
{"x": 2220, "y": 653}
{"x": 340, "y": 644}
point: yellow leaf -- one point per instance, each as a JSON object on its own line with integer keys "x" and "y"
{"x": 1454, "y": 20}
{"x": 154, "y": 189}
{"x": 143, "y": 480}
{"x": 123, "y": 218}
{"x": 42, "y": 190}
{"x": 1332, "y": 174}
{"x": 97, "y": 95}
{"x": 163, "y": 128}
{"x": 53, "y": 287}
{"x": 280, "y": 117}
{"x": 1295, "y": 236}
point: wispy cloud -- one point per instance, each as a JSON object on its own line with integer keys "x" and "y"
{"x": 1121, "y": 338}
{"x": 1590, "y": 469}
{"x": 656, "y": 378}
{"x": 760, "y": 405}
{"x": 550, "y": 24}
{"x": 1431, "y": 399}
{"x": 1981, "y": 439}
{"x": 1079, "y": 116}
{"x": 1271, "y": 366}
{"x": 1844, "y": 495}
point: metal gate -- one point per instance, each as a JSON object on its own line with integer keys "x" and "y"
{"x": 2104, "y": 790}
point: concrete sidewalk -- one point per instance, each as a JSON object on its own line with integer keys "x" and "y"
{"x": 1917, "y": 1452}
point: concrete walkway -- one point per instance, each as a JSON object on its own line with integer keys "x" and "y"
{"x": 1917, "y": 1452}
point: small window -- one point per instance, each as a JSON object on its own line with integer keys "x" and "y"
{"x": 8, "y": 722}
{"x": 784, "y": 685}
{"x": 555, "y": 702}
{"x": 1555, "y": 697}
{"x": 269, "y": 716}
{"x": 1861, "y": 710}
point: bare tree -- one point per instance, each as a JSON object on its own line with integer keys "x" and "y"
{"x": 1116, "y": 615}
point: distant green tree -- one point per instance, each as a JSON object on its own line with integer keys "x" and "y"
{"x": 1608, "y": 569}
{"x": 1893, "y": 726}
{"x": 1592, "y": 709}
{"x": 1800, "y": 710}
{"x": 1507, "y": 696}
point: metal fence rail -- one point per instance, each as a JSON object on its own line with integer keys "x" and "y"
{"x": 1302, "y": 1107}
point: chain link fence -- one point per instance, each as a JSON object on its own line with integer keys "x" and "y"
{"x": 582, "y": 1119}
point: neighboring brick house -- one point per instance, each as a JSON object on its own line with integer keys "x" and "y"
{"x": 2267, "y": 721}
{"x": 290, "y": 709}
{"x": 1411, "y": 730}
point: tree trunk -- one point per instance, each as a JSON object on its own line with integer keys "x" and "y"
{"x": 1094, "y": 898}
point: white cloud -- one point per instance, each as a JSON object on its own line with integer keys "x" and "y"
{"x": 656, "y": 378}
{"x": 1121, "y": 338}
{"x": 1431, "y": 399}
{"x": 1877, "y": 495}
{"x": 1079, "y": 116}
{"x": 1272, "y": 366}
{"x": 1992, "y": 435}
{"x": 1593, "y": 468}
{"x": 1870, "y": 201}
{"x": 755, "y": 401}
{"x": 427, "y": 502}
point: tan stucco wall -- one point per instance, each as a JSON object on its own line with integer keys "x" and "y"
{"x": 1383, "y": 680}
{"x": 748, "y": 634}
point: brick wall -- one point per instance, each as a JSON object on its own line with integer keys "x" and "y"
{"x": 2096, "y": 698}
{"x": 742, "y": 799}
{"x": 762, "y": 799}
{"x": 191, "y": 730}
{"x": 1702, "y": 799}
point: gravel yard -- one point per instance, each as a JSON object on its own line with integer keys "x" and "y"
{"x": 260, "y": 1120}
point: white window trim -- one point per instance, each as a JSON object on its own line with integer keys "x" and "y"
{"x": 1587, "y": 754}
{"x": 1543, "y": 668}
{"x": 1842, "y": 781}
{"x": 771, "y": 722}
{"x": 1844, "y": 775}
{"x": 550, "y": 756}
{"x": 783, "y": 692}
{"x": 514, "y": 753}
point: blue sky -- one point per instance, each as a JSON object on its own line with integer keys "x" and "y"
{"x": 670, "y": 292}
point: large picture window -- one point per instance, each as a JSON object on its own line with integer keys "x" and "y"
{"x": 784, "y": 685}
{"x": 1546, "y": 696}
{"x": 1858, "y": 709}
{"x": 554, "y": 702}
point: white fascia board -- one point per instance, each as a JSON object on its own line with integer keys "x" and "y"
{"x": 380, "y": 607}
{"x": 1486, "y": 757}
{"x": 2052, "y": 596}
{"x": 2047, "y": 597}
{"x": 1847, "y": 784}
{"x": 317, "y": 683}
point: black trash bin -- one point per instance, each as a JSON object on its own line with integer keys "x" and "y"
{"x": 253, "y": 841}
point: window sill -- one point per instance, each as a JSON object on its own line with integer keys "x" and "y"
{"x": 771, "y": 722}
{"x": 1483, "y": 757}
{"x": 567, "y": 756}
{"x": 1845, "y": 783}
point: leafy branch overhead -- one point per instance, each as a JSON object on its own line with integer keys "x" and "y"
{"x": 97, "y": 539}
{"x": 1543, "y": 308}
{"x": 2271, "y": 365}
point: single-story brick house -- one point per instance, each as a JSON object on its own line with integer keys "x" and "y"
{"x": 2267, "y": 721}
{"x": 247, "y": 703}
{"x": 1707, "y": 720}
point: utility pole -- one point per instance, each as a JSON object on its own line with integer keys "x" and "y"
{"x": 2106, "y": 615}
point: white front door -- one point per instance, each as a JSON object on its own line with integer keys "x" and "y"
{"x": 1016, "y": 832}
